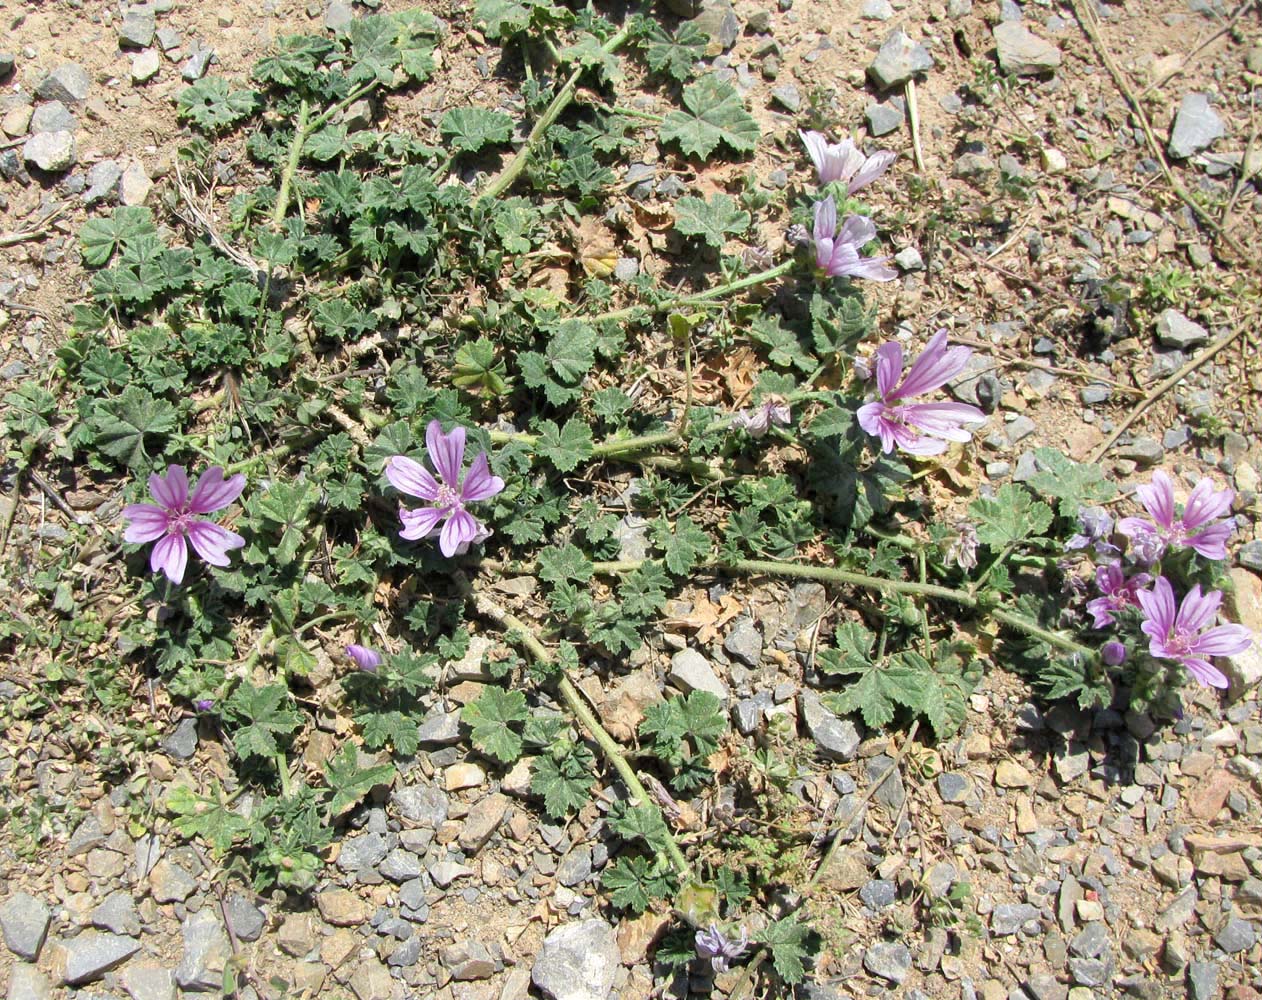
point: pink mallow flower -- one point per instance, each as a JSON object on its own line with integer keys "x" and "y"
{"x": 174, "y": 520}
{"x": 917, "y": 428}
{"x": 1197, "y": 529}
{"x": 1118, "y": 593}
{"x": 448, "y": 494}
{"x": 837, "y": 251}
{"x": 774, "y": 412}
{"x": 844, "y": 161}
{"x": 1181, "y": 634}
{"x": 366, "y": 658}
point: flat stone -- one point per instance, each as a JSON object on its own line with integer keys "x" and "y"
{"x": 137, "y": 28}
{"x": 877, "y": 10}
{"x": 1091, "y": 941}
{"x": 69, "y": 82}
{"x": 885, "y": 117}
{"x": 53, "y": 117}
{"x": 103, "y": 178}
{"x": 195, "y": 66}
{"x": 149, "y": 982}
{"x": 134, "y": 186}
{"x": 482, "y": 821}
{"x": 1008, "y": 918}
{"x": 788, "y": 97}
{"x": 1144, "y": 451}
{"x": 17, "y": 120}
{"x": 27, "y": 983}
{"x": 50, "y": 151}
{"x": 577, "y": 961}
{"x": 1022, "y": 52}
{"x": 372, "y": 981}
{"x": 1196, "y": 126}
{"x": 88, "y": 956}
{"x": 117, "y": 914}
{"x": 835, "y": 738}
{"x": 1235, "y": 936}
{"x": 463, "y": 775}
{"x": 401, "y": 866}
{"x": 297, "y": 934}
{"x": 744, "y": 642}
{"x": 909, "y": 259}
{"x": 145, "y": 65}
{"x": 1010, "y": 774}
{"x": 169, "y": 38}
{"x": 247, "y": 920}
{"x": 953, "y": 786}
{"x": 1176, "y": 330}
{"x": 467, "y": 960}
{"x": 899, "y": 59}
{"x": 364, "y": 851}
{"x": 170, "y": 883}
{"x": 576, "y": 867}
{"x": 443, "y": 873}
{"x": 878, "y": 894}
{"x": 440, "y": 729}
{"x": 7, "y": 62}
{"x": 342, "y": 908}
{"x": 24, "y": 920}
{"x": 718, "y": 22}
{"x": 206, "y": 951}
{"x": 690, "y": 671}
{"x": 420, "y": 804}
{"x": 338, "y": 17}
{"x": 890, "y": 960}
{"x": 1202, "y": 980}
{"x": 1178, "y": 912}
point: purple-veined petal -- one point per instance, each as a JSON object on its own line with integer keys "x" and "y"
{"x": 1224, "y": 640}
{"x": 1158, "y": 499}
{"x": 873, "y": 167}
{"x": 461, "y": 529}
{"x": 1159, "y": 609}
{"x": 148, "y": 523}
{"x": 171, "y": 490}
{"x": 1133, "y": 526}
{"x": 824, "y": 253}
{"x": 1205, "y": 504}
{"x": 1204, "y": 671}
{"x": 889, "y": 366}
{"x": 479, "y": 484}
{"x": 213, "y": 542}
{"x": 408, "y": 476}
{"x": 1197, "y": 610}
{"x": 365, "y": 658}
{"x": 870, "y": 268}
{"x": 1101, "y": 611}
{"x": 420, "y": 522}
{"x": 817, "y": 149}
{"x": 170, "y": 556}
{"x": 213, "y": 492}
{"x": 918, "y": 444}
{"x": 825, "y": 220}
{"x": 858, "y": 231}
{"x": 1212, "y": 541}
{"x": 941, "y": 419}
{"x": 1113, "y": 653}
{"x": 446, "y": 451}
{"x": 936, "y": 366}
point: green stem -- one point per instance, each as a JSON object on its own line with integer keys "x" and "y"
{"x": 605, "y": 449}
{"x": 564, "y": 96}
{"x": 525, "y": 635}
{"x": 685, "y": 301}
{"x": 301, "y": 130}
{"x": 647, "y": 116}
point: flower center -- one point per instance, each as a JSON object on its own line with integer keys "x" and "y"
{"x": 178, "y": 522}
{"x": 1180, "y": 642}
{"x": 447, "y": 497}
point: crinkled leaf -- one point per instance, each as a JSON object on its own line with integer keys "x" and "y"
{"x": 787, "y": 940}
{"x": 350, "y": 782}
{"x": 675, "y": 54}
{"x": 1072, "y": 484}
{"x": 715, "y": 116}
{"x": 564, "y": 562}
{"x": 683, "y": 546}
{"x": 565, "y": 447}
{"x": 1012, "y": 515}
{"x": 212, "y": 105}
{"x": 121, "y": 424}
{"x": 469, "y": 129}
{"x": 712, "y": 220}
{"x": 263, "y": 714}
{"x": 100, "y": 238}
{"x": 491, "y": 717}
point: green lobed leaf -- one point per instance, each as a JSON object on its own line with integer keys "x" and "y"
{"x": 349, "y": 781}
{"x": 565, "y": 447}
{"x": 491, "y": 717}
{"x": 120, "y": 425}
{"x": 1011, "y": 516}
{"x": 715, "y": 116}
{"x": 263, "y": 714}
{"x": 787, "y": 940}
{"x": 683, "y": 546}
{"x": 712, "y": 220}
{"x": 1072, "y": 484}
{"x": 467, "y": 130}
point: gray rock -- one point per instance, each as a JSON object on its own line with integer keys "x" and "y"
{"x": 788, "y": 97}
{"x": 27, "y": 983}
{"x": 406, "y": 954}
{"x": 182, "y": 742}
{"x": 91, "y": 954}
{"x": 626, "y": 269}
{"x": 909, "y": 259}
{"x": 338, "y": 17}
{"x": 69, "y": 82}
{"x": 576, "y": 867}
{"x": 1095, "y": 393}
{"x": 744, "y": 642}
{"x": 1143, "y": 451}
{"x": 7, "y": 60}
{"x": 50, "y": 150}
{"x": 877, "y": 10}
{"x": 421, "y": 804}
{"x": 1176, "y": 330}
{"x": 1091, "y": 941}
{"x": 836, "y": 738}
{"x": 364, "y": 851}
{"x": 145, "y": 66}
{"x": 959, "y": 8}
{"x": 148, "y": 851}
{"x": 117, "y": 914}
{"x": 748, "y": 712}
{"x": 939, "y": 879}
{"x": 1022, "y": 52}
{"x": 898, "y": 60}
{"x": 973, "y": 166}
{"x": 444, "y": 873}
{"x": 953, "y": 786}
{"x": 1019, "y": 429}
{"x": 718, "y": 22}
{"x": 885, "y": 117}
{"x": 401, "y": 866}
{"x": 468, "y": 960}
{"x": 24, "y": 921}
{"x": 169, "y": 38}
{"x": 1202, "y": 980}
{"x": 206, "y": 951}
{"x": 135, "y": 185}
{"x": 103, "y": 178}
{"x": 53, "y": 117}
{"x": 690, "y": 671}
{"x": 891, "y": 794}
{"x": 195, "y": 66}
{"x": 170, "y": 883}
{"x": 1091, "y": 971}
{"x": 1236, "y": 935}
{"x": 577, "y": 961}
{"x": 149, "y": 982}
{"x": 1250, "y": 556}
{"x": 246, "y": 919}
{"x": 890, "y": 960}
{"x": 878, "y": 894}
{"x": 1196, "y": 126}
{"x": 137, "y": 28}
{"x": 1008, "y": 918}
{"x": 1178, "y": 912}
{"x": 632, "y": 535}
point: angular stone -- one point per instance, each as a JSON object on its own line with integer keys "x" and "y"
{"x": 53, "y": 117}
{"x": 17, "y": 120}
{"x": 1022, "y": 52}
{"x": 440, "y": 729}
{"x": 953, "y": 786}
{"x": 137, "y": 28}
{"x": 206, "y": 952}
{"x": 401, "y": 866}
{"x": 891, "y": 960}
{"x": 1008, "y": 918}
{"x": 24, "y": 921}
{"x": 1178, "y": 912}
{"x": 1176, "y": 330}
{"x": 467, "y": 960}
{"x": 576, "y": 867}
{"x": 117, "y": 914}
{"x": 1235, "y": 936}
{"x": 463, "y": 775}
{"x": 1196, "y": 126}
{"x": 297, "y": 935}
{"x": 338, "y": 17}
{"x": 145, "y": 65}
{"x": 372, "y": 981}
{"x": 1243, "y": 605}
{"x": 690, "y": 671}
{"x": 50, "y": 151}
{"x": 421, "y": 804}
{"x": 342, "y": 908}
{"x": 7, "y": 61}
{"x": 577, "y": 961}
{"x": 482, "y": 821}
{"x": 365, "y": 851}
{"x": 835, "y": 738}
{"x": 443, "y": 873}
{"x": 247, "y": 920}
{"x": 90, "y": 955}
{"x": 1010, "y": 774}
{"x": 170, "y": 883}
{"x": 103, "y": 180}
{"x": 1202, "y": 980}
{"x": 69, "y": 82}
{"x": 27, "y": 983}
{"x": 1091, "y": 941}
{"x": 744, "y": 642}
{"x": 898, "y": 60}
{"x": 149, "y": 982}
